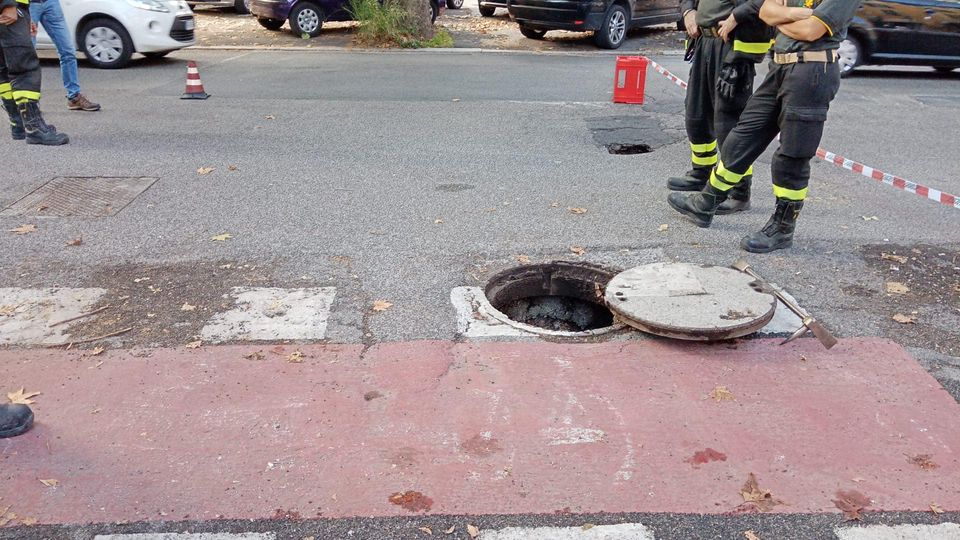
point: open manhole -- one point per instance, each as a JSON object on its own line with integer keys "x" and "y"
{"x": 557, "y": 298}
{"x": 628, "y": 149}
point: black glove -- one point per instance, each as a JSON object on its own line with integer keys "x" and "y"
{"x": 733, "y": 78}
{"x": 690, "y": 45}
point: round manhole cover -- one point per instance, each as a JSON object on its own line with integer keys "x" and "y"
{"x": 687, "y": 301}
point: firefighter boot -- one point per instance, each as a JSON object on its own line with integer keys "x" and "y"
{"x": 38, "y": 132}
{"x": 694, "y": 180}
{"x": 16, "y": 123}
{"x": 778, "y": 232}
{"x": 14, "y": 419}
{"x": 699, "y": 207}
{"x": 738, "y": 199}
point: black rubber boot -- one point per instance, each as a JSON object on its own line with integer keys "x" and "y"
{"x": 699, "y": 207}
{"x": 694, "y": 180}
{"x": 14, "y": 419}
{"x": 738, "y": 199}
{"x": 16, "y": 123}
{"x": 38, "y": 132}
{"x": 778, "y": 232}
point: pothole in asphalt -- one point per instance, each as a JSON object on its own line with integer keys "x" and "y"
{"x": 628, "y": 149}
{"x": 556, "y": 298}
{"x": 631, "y": 134}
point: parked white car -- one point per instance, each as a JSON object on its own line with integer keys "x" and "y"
{"x": 108, "y": 32}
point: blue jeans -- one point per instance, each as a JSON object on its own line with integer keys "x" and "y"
{"x": 50, "y": 15}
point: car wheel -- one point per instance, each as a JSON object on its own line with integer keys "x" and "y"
{"x": 106, "y": 43}
{"x": 945, "y": 69}
{"x": 240, "y": 7}
{"x": 156, "y": 54}
{"x": 487, "y": 11}
{"x": 454, "y": 4}
{"x": 270, "y": 24}
{"x": 614, "y": 29}
{"x": 532, "y": 33}
{"x": 306, "y": 18}
{"x": 849, "y": 55}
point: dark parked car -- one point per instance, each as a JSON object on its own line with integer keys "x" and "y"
{"x": 307, "y": 16}
{"x": 904, "y": 32}
{"x": 489, "y": 7}
{"x": 609, "y": 19}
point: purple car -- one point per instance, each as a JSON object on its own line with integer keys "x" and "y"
{"x": 308, "y": 16}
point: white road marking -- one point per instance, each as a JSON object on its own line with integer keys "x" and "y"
{"x": 268, "y": 313}
{"x": 188, "y": 536}
{"x": 26, "y": 314}
{"x": 572, "y": 435}
{"x": 622, "y": 531}
{"x": 943, "y": 531}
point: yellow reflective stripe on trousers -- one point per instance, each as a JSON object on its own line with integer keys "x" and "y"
{"x": 24, "y": 2}
{"x": 6, "y": 91}
{"x": 751, "y": 47}
{"x": 789, "y": 194}
{"x": 707, "y": 160}
{"x": 704, "y": 148}
{"x": 728, "y": 176}
{"x": 718, "y": 183}
{"x": 21, "y": 96}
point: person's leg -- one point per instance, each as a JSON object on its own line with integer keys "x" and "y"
{"x": 698, "y": 118}
{"x": 808, "y": 90}
{"x": 728, "y": 112}
{"x": 6, "y": 94}
{"x": 55, "y": 24}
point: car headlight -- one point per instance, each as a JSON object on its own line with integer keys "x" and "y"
{"x": 150, "y": 5}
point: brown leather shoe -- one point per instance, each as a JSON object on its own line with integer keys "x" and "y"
{"x": 81, "y": 103}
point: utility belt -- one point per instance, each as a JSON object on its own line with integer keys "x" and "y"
{"x": 801, "y": 57}
{"x": 709, "y": 32}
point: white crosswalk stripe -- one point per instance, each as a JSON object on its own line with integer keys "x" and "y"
{"x": 622, "y": 531}
{"x": 26, "y": 314}
{"x": 942, "y": 531}
{"x": 270, "y": 313}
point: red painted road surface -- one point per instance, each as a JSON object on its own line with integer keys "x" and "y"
{"x": 476, "y": 428}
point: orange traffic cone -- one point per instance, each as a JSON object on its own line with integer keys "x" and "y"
{"x": 194, "y": 86}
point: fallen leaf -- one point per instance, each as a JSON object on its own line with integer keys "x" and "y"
{"x": 924, "y": 461}
{"x": 255, "y": 355}
{"x": 935, "y": 508}
{"x": 296, "y": 357}
{"x": 523, "y": 259}
{"x": 473, "y": 531}
{"x": 139, "y": 279}
{"x": 554, "y": 205}
{"x": 426, "y": 530}
{"x": 205, "y": 170}
{"x": 28, "y": 521}
{"x": 154, "y": 290}
{"x": 663, "y": 228}
{"x": 577, "y": 211}
{"x": 50, "y": 482}
{"x": 42, "y": 207}
{"x": 456, "y": 99}
{"x": 75, "y": 242}
{"x": 905, "y": 319}
{"x": 7, "y": 311}
{"x": 870, "y": 218}
{"x": 24, "y": 229}
{"x": 750, "y": 535}
{"x": 269, "y": 117}
{"x": 187, "y": 307}
{"x": 382, "y": 305}
{"x": 895, "y": 287}
{"x": 721, "y": 393}
{"x": 759, "y": 499}
{"x": 450, "y": 530}
{"x": 437, "y": 221}
{"x": 577, "y": 250}
{"x": 194, "y": 344}
{"x": 97, "y": 351}
{"x": 857, "y": 479}
{"x": 221, "y": 237}
{"x": 22, "y": 398}
{"x": 891, "y": 257}
{"x": 587, "y": 526}
{"x": 851, "y": 503}
{"x": 232, "y": 168}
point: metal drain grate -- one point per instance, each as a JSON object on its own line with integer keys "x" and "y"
{"x": 77, "y": 196}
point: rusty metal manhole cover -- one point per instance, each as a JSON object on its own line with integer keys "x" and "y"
{"x": 688, "y": 301}
{"x": 76, "y": 196}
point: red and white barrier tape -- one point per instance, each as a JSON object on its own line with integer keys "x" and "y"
{"x": 850, "y": 165}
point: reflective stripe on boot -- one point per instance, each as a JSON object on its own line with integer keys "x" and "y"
{"x": 16, "y": 122}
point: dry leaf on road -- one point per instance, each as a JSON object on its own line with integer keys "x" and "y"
{"x": 296, "y": 357}
{"x": 935, "y": 508}
{"x": 24, "y": 229}
{"x": 760, "y": 499}
{"x": 50, "y": 482}
{"x": 905, "y": 319}
{"x": 851, "y": 503}
{"x": 221, "y": 237}
{"x": 426, "y": 530}
{"x": 895, "y": 287}
{"x": 22, "y": 397}
{"x": 577, "y": 211}
{"x": 473, "y": 531}
{"x": 75, "y": 242}
{"x": 750, "y": 535}
{"x": 663, "y": 228}
{"x": 577, "y": 250}
{"x": 924, "y": 461}
{"x": 721, "y": 393}
{"x": 437, "y": 221}
{"x": 194, "y": 344}
{"x": 269, "y": 117}
{"x": 187, "y": 307}
{"x": 587, "y": 526}
{"x": 870, "y": 218}
{"x": 232, "y": 168}
{"x": 382, "y": 305}
{"x": 29, "y": 521}
{"x": 523, "y": 259}
{"x": 7, "y": 311}
{"x": 892, "y": 257}
{"x": 450, "y": 530}
{"x": 205, "y": 170}
{"x": 96, "y": 351}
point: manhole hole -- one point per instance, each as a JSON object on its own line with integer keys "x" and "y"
{"x": 628, "y": 149}
{"x": 556, "y": 298}
{"x": 74, "y": 196}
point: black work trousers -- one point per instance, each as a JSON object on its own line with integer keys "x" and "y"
{"x": 19, "y": 66}
{"x": 793, "y": 100}
{"x": 710, "y": 117}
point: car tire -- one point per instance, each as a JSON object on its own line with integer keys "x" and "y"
{"x": 306, "y": 18}
{"x": 240, "y": 7}
{"x": 270, "y": 24}
{"x": 487, "y": 11}
{"x": 613, "y": 32}
{"x": 106, "y": 43}
{"x": 156, "y": 54}
{"x": 945, "y": 69}
{"x": 532, "y": 33}
{"x": 850, "y": 55}
{"x": 454, "y": 4}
